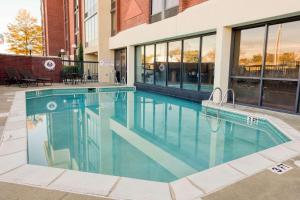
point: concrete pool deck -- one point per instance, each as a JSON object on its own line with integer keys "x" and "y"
{"x": 187, "y": 188}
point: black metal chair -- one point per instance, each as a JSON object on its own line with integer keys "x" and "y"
{"x": 27, "y": 74}
{"x": 15, "y": 78}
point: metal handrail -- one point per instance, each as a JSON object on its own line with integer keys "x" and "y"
{"x": 226, "y": 95}
{"x": 211, "y": 96}
{"x": 213, "y": 92}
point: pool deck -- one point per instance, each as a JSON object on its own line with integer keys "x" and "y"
{"x": 241, "y": 179}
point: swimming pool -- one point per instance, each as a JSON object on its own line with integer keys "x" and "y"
{"x": 137, "y": 134}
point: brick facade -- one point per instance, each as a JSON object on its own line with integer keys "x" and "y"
{"x": 132, "y": 13}
{"x": 184, "y": 4}
{"x": 58, "y": 18}
{"x": 53, "y": 26}
{"x": 34, "y": 64}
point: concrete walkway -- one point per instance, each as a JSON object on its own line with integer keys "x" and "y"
{"x": 262, "y": 186}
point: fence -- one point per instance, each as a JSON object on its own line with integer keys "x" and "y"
{"x": 88, "y": 69}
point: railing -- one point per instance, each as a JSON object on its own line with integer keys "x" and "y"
{"x": 87, "y": 70}
{"x": 212, "y": 95}
{"x": 222, "y": 98}
{"x": 226, "y": 95}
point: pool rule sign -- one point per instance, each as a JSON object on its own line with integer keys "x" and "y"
{"x": 49, "y": 65}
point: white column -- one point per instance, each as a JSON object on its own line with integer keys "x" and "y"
{"x": 223, "y": 46}
{"x": 130, "y": 65}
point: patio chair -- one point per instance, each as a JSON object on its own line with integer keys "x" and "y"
{"x": 27, "y": 74}
{"x": 15, "y": 78}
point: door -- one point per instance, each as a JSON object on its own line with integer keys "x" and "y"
{"x": 121, "y": 65}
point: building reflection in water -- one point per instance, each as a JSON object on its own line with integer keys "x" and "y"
{"x": 134, "y": 134}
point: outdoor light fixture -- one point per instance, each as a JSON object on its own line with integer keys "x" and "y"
{"x": 62, "y": 52}
{"x": 29, "y": 47}
{"x": 74, "y": 46}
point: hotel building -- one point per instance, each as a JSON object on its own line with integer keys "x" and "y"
{"x": 62, "y": 27}
{"x": 69, "y": 23}
{"x": 185, "y": 48}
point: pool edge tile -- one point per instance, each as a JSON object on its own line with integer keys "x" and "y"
{"x": 135, "y": 189}
{"x": 251, "y": 164}
{"x": 33, "y": 175}
{"x": 184, "y": 190}
{"x": 89, "y": 183}
{"x": 278, "y": 153}
{"x": 216, "y": 178}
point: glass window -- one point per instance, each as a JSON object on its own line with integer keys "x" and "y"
{"x": 161, "y": 64}
{"x": 190, "y": 63}
{"x": 208, "y": 54}
{"x": 91, "y": 32}
{"x": 248, "y": 52}
{"x": 149, "y": 64}
{"x": 171, "y": 3}
{"x": 139, "y": 62}
{"x": 113, "y": 23}
{"x": 283, "y": 51}
{"x": 90, "y": 7}
{"x": 246, "y": 90}
{"x": 174, "y": 60}
{"x": 280, "y": 94}
{"x": 157, "y": 6}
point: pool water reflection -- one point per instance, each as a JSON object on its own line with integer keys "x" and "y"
{"x": 136, "y": 134}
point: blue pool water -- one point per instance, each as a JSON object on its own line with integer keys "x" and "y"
{"x": 136, "y": 134}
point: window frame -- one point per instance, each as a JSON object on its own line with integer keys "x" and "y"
{"x": 165, "y": 13}
{"x": 181, "y": 63}
{"x": 262, "y": 78}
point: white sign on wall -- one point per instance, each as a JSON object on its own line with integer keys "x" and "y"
{"x": 49, "y": 64}
{"x": 106, "y": 63}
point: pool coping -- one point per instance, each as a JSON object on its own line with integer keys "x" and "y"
{"x": 14, "y": 167}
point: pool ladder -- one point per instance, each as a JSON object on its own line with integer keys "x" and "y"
{"x": 222, "y": 98}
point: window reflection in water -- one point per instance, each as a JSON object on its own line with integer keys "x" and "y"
{"x": 126, "y": 134}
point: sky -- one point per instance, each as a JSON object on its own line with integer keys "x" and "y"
{"x": 9, "y": 10}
